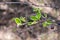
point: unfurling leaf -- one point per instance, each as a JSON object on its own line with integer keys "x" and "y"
{"x": 22, "y": 19}
{"x": 18, "y": 21}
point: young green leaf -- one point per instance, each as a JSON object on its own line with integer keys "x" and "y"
{"x": 18, "y": 21}
{"x": 33, "y": 18}
{"x": 31, "y": 23}
{"x": 47, "y": 23}
{"x": 22, "y": 19}
{"x": 44, "y": 24}
{"x": 38, "y": 15}
{"x": 34, "y": 22}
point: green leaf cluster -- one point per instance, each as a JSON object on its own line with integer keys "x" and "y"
{"x": 20, "y": 20}
{"x": 36, "y": 17}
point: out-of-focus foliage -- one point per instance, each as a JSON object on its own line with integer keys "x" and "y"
{"x": 19, "y": 21}
{"x": 46, "y": 23}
